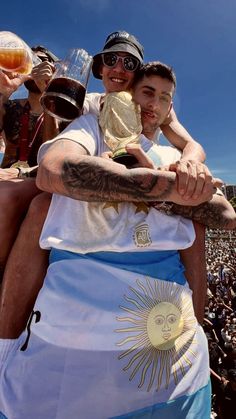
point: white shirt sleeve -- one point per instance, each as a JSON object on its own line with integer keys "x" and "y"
{"x": 84, "y": 130}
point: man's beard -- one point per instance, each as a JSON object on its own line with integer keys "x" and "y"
{"x": 31, "y": 86}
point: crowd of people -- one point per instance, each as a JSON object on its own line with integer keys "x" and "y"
{"x": 117, "y": 253}
{"x": 220, "y": 319}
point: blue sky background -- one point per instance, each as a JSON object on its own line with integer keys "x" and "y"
{"x": 196, "y": 37}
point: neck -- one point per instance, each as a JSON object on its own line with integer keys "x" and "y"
{"x": 34, "y": 102}
{"x": 150, "y": 135}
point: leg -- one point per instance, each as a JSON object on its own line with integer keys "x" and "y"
{"x": 15, "y": 197}
{"x": 25, "y": 271}
{"x": 194, "y": 261}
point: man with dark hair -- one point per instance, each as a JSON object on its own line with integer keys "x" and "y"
{"x": 116, "y": 64}
{"x": 114, "y": 319}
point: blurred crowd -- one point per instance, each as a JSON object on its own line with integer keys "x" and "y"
{"x": 220, "y": 319}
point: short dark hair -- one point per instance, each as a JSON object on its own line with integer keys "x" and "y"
{"x": 155, "y": 68}
{"x": 51, "y": 57}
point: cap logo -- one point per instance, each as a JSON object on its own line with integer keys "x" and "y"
{"x": 118, "y": 35}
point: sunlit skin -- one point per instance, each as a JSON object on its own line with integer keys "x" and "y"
{"x": 154, "y": 94}
{"x": 117, "y": 79}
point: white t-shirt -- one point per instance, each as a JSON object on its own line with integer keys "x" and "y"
{"x": 85, "y": 227}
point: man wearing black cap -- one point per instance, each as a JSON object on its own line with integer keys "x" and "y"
{"x": 104, "y": 324}
{"x": 115, "y": 65}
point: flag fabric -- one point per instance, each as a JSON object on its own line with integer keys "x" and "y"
{"x": 119, "y": 342}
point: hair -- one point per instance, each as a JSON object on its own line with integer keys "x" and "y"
{"x": 39, "y": 48}
{"x": 155, "y": 68}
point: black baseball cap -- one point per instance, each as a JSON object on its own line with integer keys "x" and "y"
{"x": 119, "y": 41}
{"x": 52, "y": 57}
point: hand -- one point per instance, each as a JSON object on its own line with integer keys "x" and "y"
{"x": 135, "y": 150}
{"x": 10, "y": 82}
{"x": 7, "y": 174}
{"x": 42, "y": 74}
{"x": 194, "y": 178}
{"x": 141, "y": 156}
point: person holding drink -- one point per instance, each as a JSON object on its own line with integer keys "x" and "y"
{"x": 116, "y": 65}
{"x": 23, "y": 128}
{"x": 115, "y": 315}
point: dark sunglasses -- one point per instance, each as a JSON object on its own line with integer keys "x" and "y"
{"x": 43, "y": 59}
{"x": 129, "y": 62}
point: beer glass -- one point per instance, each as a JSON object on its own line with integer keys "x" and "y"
{"x": 65, "y": 93}
{"x": 15, "y": 55}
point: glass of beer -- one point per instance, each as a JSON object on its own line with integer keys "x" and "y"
{"x": 15, "y": 55}
{"x": 65, "y": 93}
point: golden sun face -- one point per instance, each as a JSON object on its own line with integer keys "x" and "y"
{"x": 164, "y": 325}
{"x": 159, "y": 333}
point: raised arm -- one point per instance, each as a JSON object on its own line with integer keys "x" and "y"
{"x": 68, "y": 170}
{"x": 192, "y": 173}
{"x": 181, "y": 139}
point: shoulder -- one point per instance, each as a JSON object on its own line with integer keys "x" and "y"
{"x": 92, "y": 103}
{"x": 167, "y": 154}
{"x": 84, "y": 131}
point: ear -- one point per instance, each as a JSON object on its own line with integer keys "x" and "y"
{"x": 171, "y": 107}
{"x": 101, "y": 70}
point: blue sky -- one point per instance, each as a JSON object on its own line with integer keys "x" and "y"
{"x": 196, "y": 37}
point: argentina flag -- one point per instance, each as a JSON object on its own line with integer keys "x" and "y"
{"x": 121, "y": 342}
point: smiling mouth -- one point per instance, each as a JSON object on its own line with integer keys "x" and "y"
{"x": 118, "y": 80}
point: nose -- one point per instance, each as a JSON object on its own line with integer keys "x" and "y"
{"x": 119, "y": 66}
{"x": 154, "y": 103}
{"x": 166, "y": 327}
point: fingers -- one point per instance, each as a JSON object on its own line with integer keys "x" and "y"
{"x": 141, "y": 156}
{"x": 43, "y": 71}
{"x": 193, "y": 178}
{"x": 7, "y": 174}
{"x": 218, "y": 183}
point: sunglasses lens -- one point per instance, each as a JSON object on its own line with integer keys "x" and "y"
{"x": 110, "y": 59}
{"x": 131, "y": 63}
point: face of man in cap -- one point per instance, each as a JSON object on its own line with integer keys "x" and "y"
{"x": 116, "y": 64}
{"x": 117, "y": 79}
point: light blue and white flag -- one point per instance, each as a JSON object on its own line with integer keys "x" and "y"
{"x": 121, "y": 342}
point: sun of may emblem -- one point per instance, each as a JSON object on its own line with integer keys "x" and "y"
{"x": 158, "y": 335}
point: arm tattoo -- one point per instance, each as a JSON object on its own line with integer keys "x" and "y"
{"x": 208, "y": 214}
{"x": 91, "y": 181}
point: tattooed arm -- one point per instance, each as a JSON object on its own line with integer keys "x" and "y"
{"x": 68, "y": 170}
{"x": 216, "y": 213}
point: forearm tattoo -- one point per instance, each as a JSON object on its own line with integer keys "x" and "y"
{"x": 208, "y": 214}
{"x": 91, "y": 181}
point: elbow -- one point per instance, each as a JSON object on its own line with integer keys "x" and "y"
{"x": 42, "y": 180}
{"x": 230, "y": 220}
{"x": 39, "y": 182}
